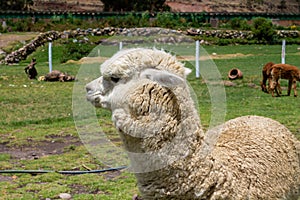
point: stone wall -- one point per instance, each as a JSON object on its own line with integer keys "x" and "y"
{"x": 224, "y": 34}
{"x": 234, "y": 34}
{"x": 166, "y": 36}
{"x": 23, "y": 52}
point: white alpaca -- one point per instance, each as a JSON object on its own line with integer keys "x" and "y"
{"x": 252, "y": 158}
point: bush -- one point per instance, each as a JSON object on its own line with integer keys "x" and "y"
{"x": 75, "y": 51}
{"x": 263, "y": 31}
{"x": 56, "y": 19}
{"x": 224, "y": 42}
{"x": 165, "y": 20}
{"x": 239, "y": 24}
{"x": 144, "y": 21}
{"x": 196, "y": 20}
{"x": 129, "y": 20}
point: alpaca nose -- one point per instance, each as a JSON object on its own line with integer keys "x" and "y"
{"x": 93, "y": 86}
{"x": 89, "y": 89}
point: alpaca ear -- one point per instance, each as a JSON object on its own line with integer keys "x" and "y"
{"x": 162, "y": 77}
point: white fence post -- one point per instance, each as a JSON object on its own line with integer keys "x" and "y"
{"x": 283, "y": 52}
{"x": 197, "y": 59}
{"x": 120, "y": 45}
{"x": 50, "y": 56}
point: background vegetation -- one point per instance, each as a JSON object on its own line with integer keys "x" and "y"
{"x": 135, "y": 5}
{"x": 264, "y": 32}
{"x": 35, "y": 114}
{"x": 116, "y": 5}
{"x": 19, "y": 5}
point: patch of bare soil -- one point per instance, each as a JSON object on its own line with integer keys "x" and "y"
{"x": 214, "y": 56}
{"x": 39, "y": 149}
{"x": 80, "y": 189}
{"x": 91, "y": 60}
{"x": 238, "y": 6}
{"x": 5, "y": 178}
{"x": 88, "y": 60}
{"x": 6, "y": 39}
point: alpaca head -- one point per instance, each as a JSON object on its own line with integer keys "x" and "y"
{"x": 129, "y": 69}
{"x": 151, "y": 105}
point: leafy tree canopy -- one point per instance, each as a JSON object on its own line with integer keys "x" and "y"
{"x": 263, "y": 30}
{"x": 19, "y": 5}
{"x": 135, "y": 5}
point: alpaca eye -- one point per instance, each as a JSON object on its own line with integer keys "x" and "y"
{"x": 114, "y": 79}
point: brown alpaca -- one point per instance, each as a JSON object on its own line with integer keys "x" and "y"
{"x": 284, "y": 71}
{"x": 57, "y": 75}
{"x": 30, "y": 70}
{"x": 266, "y": 76}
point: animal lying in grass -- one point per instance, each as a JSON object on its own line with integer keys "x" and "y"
{"x": 57, "y": 75}
{"x": 146, "y": 90}
{"x": 284, "y": 71}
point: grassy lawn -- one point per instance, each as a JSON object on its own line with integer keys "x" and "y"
{"x": 38, "y": 130}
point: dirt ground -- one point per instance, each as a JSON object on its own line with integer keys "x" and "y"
{"x": 35, "y": 150}
{"x": 90, "y": 60}
{"x": 6, "y": 39}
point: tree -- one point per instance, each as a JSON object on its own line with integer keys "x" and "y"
{"x": 19, "y": 5}
{"x": 263, "y": 30}
{"x": 282, "y": 5}
{"x": 135, "y": 5}
{"x": 238, "y": 23}
{"x": 249, "y": 4}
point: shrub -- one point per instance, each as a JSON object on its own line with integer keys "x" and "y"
{"x": 196, "y": 20}
{"x": 57, "y": 19}
{"x": 263, "y": 30}
{"x": 129, "y": 20}
{"x": 144, "y": 21}
{"x": 75, "y": 51}
{"x": 224, "y": 42}
{"x": 239, "y": 24}
{"x": 165, "y": 20}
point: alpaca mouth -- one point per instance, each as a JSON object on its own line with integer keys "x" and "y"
{"x": 98, "y": 101}
{"x": 94, "y": 99}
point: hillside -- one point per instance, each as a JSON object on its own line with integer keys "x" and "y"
{"x": 68, "y": 5}
{"x": 260, "y": 6}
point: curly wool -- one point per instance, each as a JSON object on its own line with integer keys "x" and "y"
{"x": 252, "y": 157}
{"x": 131, "y": 61}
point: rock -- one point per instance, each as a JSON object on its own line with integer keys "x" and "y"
{"x": 43, "y": 38}
{"x": 65, "y": 196}
{"x": 229, "y": 83}
{"x": 252, "y": 85}
{"x": 22, "y": 53}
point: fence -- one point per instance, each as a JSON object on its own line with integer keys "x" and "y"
{"x": 187, "y": 15}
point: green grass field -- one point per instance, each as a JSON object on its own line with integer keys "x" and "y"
{"x": 36, "y": 115}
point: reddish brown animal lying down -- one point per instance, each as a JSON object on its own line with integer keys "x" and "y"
{"x": 284, "y": 71}
{"x": 57, "y": 75}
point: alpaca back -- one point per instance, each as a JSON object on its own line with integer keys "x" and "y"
{"x": 285, "y": 71}
{"x": 260, "y": 159}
